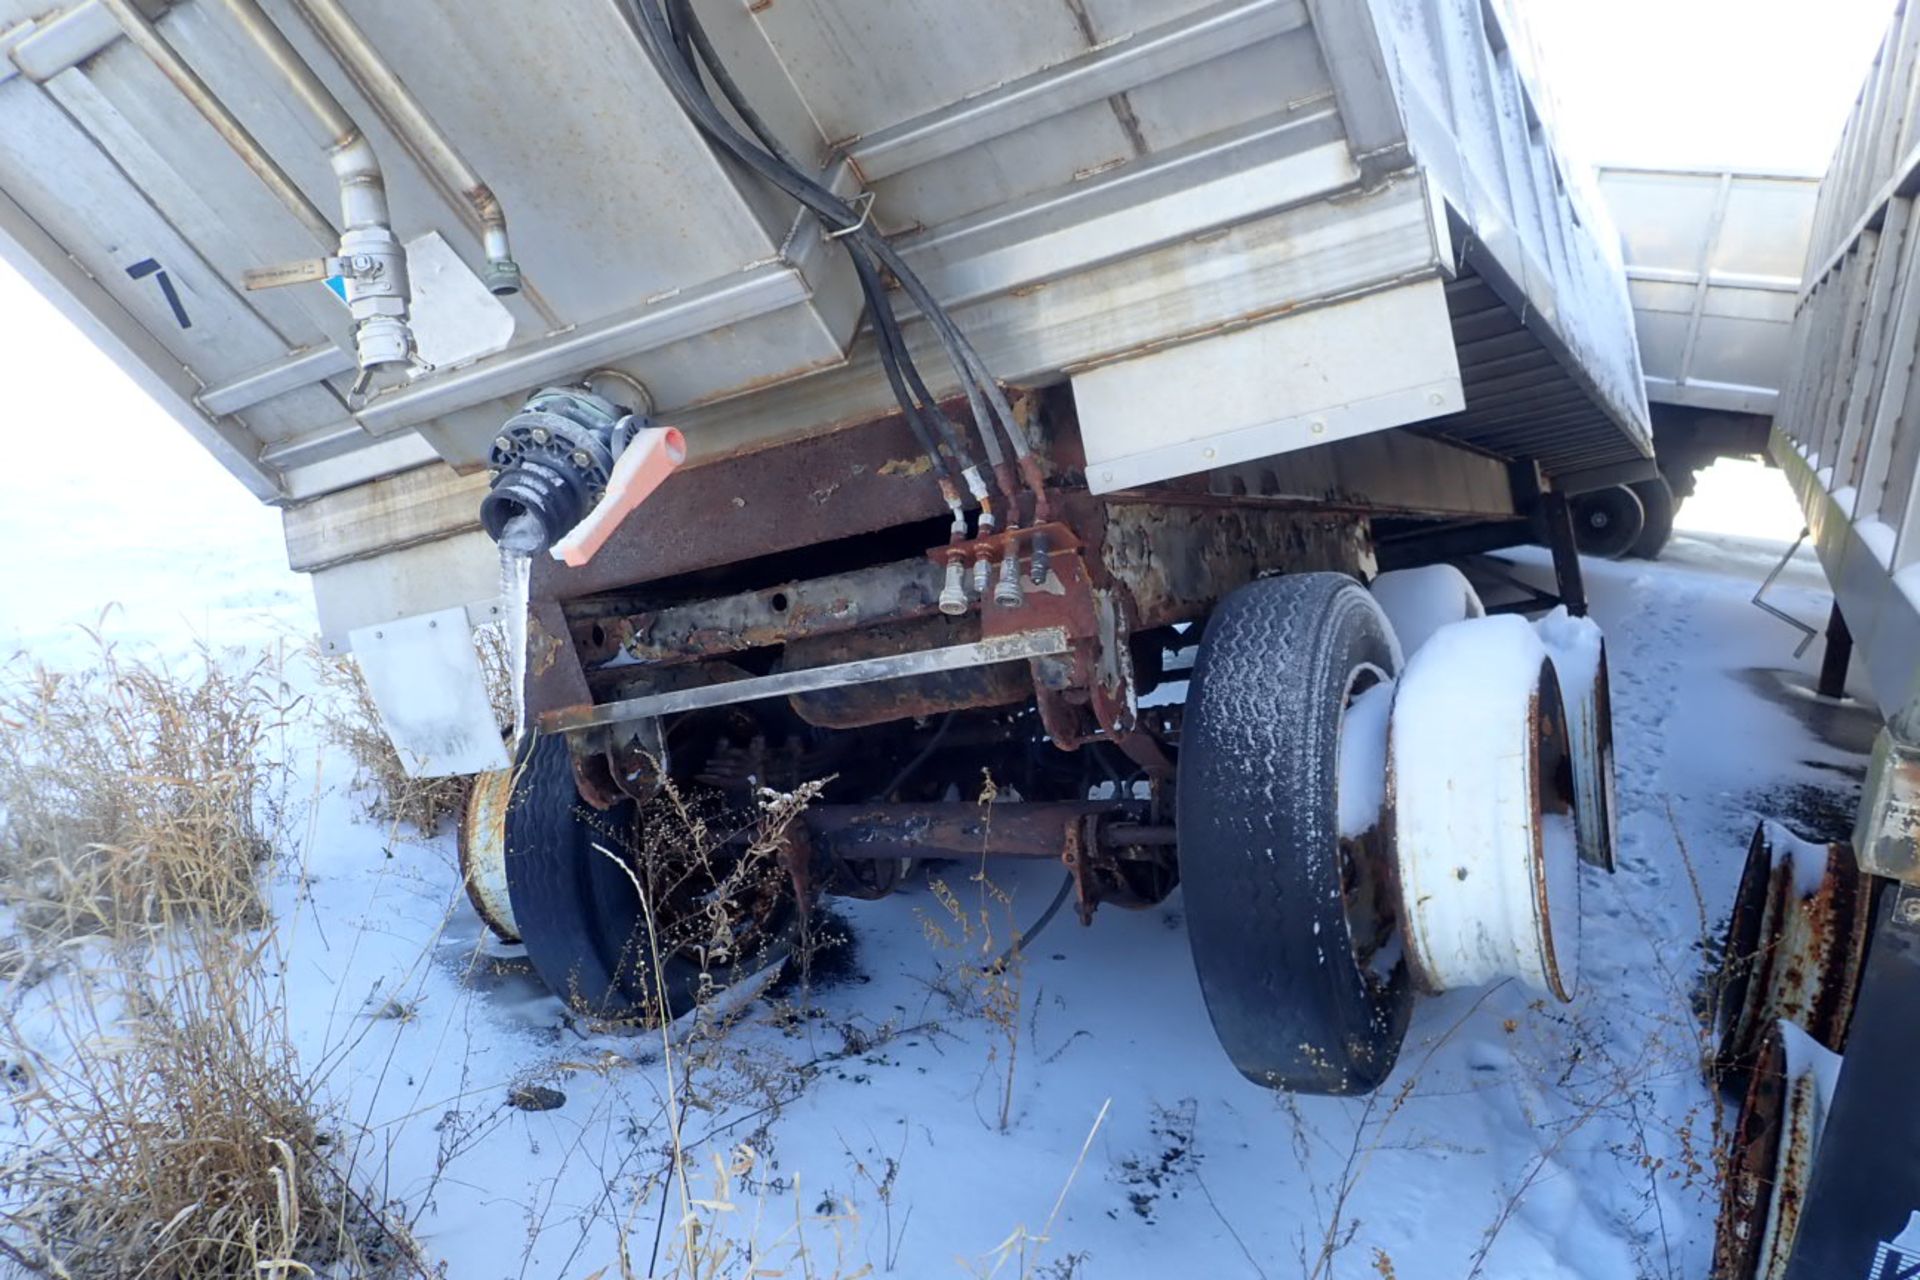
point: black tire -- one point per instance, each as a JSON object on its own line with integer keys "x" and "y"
{"x": 571, "y": 872}
{"x": 1657, "y": 503}
{"x": 1607, "y": 522}
{"x": 1293, "y": 996}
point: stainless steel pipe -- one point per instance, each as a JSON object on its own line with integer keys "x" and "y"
{"x": 391, "y": 97}
{"x": 149, "y": 41}
{"x": 373, "y": 264}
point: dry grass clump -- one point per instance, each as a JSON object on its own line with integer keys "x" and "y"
{"x": 353, "y": 722}
{"x": 166, "y": 1129}
{"x": 161, "y": 1124}
{"x": 130, "y": 795}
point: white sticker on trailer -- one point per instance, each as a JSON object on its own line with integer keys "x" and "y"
{"x": 1899, "y": 1258}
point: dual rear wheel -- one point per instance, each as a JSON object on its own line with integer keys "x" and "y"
{"x": 1353, "y": 832}
{"x": 1625, "y": 520}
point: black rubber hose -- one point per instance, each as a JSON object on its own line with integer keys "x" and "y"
{"x": 972, "y": 371}
{"x": 692, "y": 37}
{"x": 1032, "y": 931}
{"x": 681, "y": 78}
{"x": 685, "y": 20}
{"x": 922, "y": 411}
{"x": 678, "y": 32}
{"x": 917, "y": 423}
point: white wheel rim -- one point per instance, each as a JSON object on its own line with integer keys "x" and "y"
{"x": 1484, "y": 811}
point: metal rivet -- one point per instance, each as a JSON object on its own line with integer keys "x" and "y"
{"x": 1317, "y": 427}
{"x": 1434, "y": 397}
{"x": 1207, "y": 452}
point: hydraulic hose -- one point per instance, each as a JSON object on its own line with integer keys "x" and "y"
{"x": 666, "y": 48}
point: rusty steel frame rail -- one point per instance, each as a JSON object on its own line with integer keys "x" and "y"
{"x": 962, "y": 829}
{"x": 795, "y": 610}
{"x": 1045, "y": 642}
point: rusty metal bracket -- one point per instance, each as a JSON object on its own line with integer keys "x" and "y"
{"x": 593, "y": 775}
{"x": 1144, "y": 750}
{"x": 1081, "y": 838}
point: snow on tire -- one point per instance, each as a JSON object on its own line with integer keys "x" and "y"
{"x": 1283, "y": 853}
{"x": 1484, "y": 811}
{"x": 1418, "y": 602}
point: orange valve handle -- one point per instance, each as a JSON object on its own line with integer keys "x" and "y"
{"x": 648, "y": 459}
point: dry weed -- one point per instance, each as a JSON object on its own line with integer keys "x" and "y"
{"x": 707, "y": 1246}
{"x": 165, "y": 1128}
{"x": 161, "y": 1122}
{"x": 982, "y": 980}
{"x": 132, "y": 795}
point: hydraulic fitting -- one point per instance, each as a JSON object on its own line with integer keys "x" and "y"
{"x": 1037, "y": 571}
{"x": 1007, "y": 593}
{"x": 953, "y": 597}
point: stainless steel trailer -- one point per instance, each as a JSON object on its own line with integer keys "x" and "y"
{"x": 1234, "y": 281}
{"x": 1829, "y": 1186}
{"x": 1713, "y": 261}
{"x": 1093, "y": 189}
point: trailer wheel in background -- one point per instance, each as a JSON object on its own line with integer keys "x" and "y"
{"x": 1608, "y": 522}
{"x": 1283, "y": 851}
{"x": 1657, "y": 503}
{"x": 573, "y": 873}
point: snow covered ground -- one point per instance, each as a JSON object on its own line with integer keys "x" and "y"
{"x": 1516, "y": 1139}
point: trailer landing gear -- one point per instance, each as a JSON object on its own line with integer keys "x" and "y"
{"x": 1562, "y": 541}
